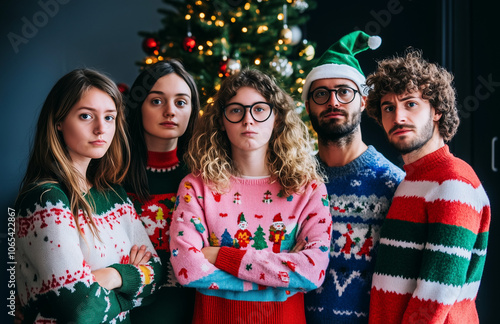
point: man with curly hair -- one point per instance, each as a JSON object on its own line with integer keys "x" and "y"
{"x": 433, "y": 241}
{"x": 361, "y": 181}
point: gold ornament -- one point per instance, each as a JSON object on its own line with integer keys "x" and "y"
{"x": 307, "y": 51}
{"x": 286, "y": 35}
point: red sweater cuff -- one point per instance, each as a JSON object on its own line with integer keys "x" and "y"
{"x": 229, "y": 260}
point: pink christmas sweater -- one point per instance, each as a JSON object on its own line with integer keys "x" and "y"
{"x": 255, "y": 225}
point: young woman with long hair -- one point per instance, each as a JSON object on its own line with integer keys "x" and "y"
{"x": 162, "y": 108}
{"x": 254, "y": 196}
{"x": 77, "y": 233}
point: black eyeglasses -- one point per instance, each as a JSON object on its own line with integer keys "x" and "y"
{"x": 260, "y": 112}
{"x": 343, "y": 94}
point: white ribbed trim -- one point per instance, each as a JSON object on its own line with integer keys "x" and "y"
{"x": 327, "y": 71}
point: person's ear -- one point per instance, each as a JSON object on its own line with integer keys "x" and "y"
{"x": 437, "y": 115}
{"x": 363, "y": 103}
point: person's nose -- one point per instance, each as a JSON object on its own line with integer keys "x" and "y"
{"x": 400, "y": 116}
{"x": 247, "y": 118}
{"x": 169, "y": 110}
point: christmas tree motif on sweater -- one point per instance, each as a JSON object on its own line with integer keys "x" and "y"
{"x": 227, "y": 239}
{"x": 267, "y": 197}
{"x": 213, "y": 240}
{"x": 277, "y": 232}
{"x": 259, "y": 242}
{"x": 197, "y": 224}
{"x": 367, "y": 245}
{"x": 243, "y": 235}
{"x": 237, "y": 198}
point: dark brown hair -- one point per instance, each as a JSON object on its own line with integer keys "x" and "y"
{"x": 409, "y": 74}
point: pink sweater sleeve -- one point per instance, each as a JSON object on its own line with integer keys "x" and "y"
{"x": 186, "y": 240}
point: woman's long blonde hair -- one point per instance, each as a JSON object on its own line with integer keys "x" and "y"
{"x": 288, "y": 158}
{"x": 50, "y": 161}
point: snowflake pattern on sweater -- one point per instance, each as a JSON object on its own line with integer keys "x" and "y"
{"x": 437, "y": 230}
{"x": 360, "y": 194}
{"x": 54, "y": 262}
{"x": 260, "y": 270}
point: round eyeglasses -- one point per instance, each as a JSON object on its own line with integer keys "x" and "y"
{"x": 343, "y": 94}
{"x": 260, "y": 112}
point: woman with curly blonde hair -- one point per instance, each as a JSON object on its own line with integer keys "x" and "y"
{"x": 254, "y": 194}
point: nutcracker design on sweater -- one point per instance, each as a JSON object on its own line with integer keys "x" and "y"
{"x": 277, "y": 233}
{"x": 243, "y": 235}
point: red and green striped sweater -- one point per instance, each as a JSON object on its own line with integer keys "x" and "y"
{"x": 433, "y": 245}
{"x": 54, "y": 262}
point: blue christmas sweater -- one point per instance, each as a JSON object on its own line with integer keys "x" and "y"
{"x": 360, "y": 194}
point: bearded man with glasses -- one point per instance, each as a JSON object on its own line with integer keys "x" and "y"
{"x": 361, "y": 181}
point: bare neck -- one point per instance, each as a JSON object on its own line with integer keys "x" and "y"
{"x": 252, "y": 164}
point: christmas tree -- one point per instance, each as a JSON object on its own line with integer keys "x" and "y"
{"x": 213, "y": 240}
{"x": 227, "y": 239}
{"x": 259, "y": 239}
{"x": 215, "y": 39}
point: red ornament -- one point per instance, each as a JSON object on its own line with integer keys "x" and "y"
{"x": 150, "y": 45}
{"x": 223, "y": 68}
{"x": 189, "y": 43}
{"x": 123, "y": 88}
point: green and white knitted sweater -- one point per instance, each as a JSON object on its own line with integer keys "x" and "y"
{"x": 54, "y": 262}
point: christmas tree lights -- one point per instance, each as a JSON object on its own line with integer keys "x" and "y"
{"x": 215, "y": 39}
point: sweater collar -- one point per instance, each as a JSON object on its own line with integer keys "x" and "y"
{"x": 162, "y": 161}
{"x": 351, "y": 167}
{"x": 428, "y": 162}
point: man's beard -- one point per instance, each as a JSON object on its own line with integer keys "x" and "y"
{"x": 418, "y": 142}
{"x": 333, "y": 130}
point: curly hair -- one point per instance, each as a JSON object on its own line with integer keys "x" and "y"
{"x": 288, "y": 158}
{"x": 409, "y": 74}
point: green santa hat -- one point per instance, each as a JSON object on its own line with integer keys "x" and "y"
{"x": 339, "y": 61}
